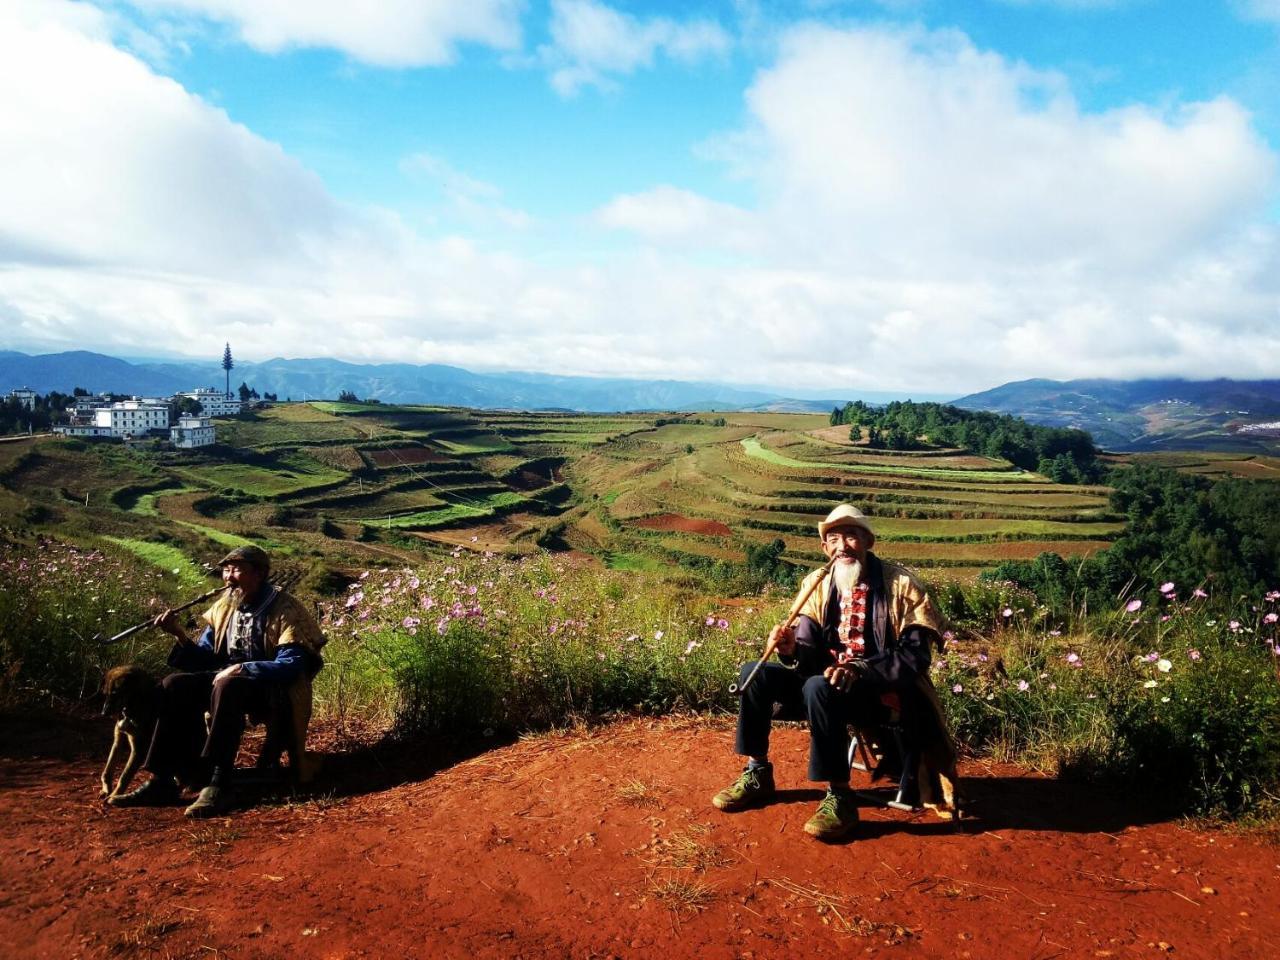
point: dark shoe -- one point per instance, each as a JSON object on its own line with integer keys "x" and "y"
{"x": 156, "y": 792}
{"x": 753, "y": 788}
{"x": 212, "y": 802}
{"x": 836, "y": 816}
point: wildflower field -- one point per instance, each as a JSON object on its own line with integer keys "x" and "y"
{"x": 490, "y": 571}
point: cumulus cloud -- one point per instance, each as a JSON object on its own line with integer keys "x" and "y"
{"x": 385, "y": 33}
{"x": 930, "y": 216}
{"x": 668, "y": 214}
{"x": 475, "y": 200}
{"x": 591, "y": 41}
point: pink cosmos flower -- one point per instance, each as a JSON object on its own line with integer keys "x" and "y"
{"x": 1199, "y": 594}
{"x": 1234, "y": 626}
{"x": 722, "y": 623}
{"x": 1271, "y": 618}
{"x": 958, "y": 688}
{"x": 1024, "y": 686}
{"x": 1167, "y": 588}
{"x": 711, "y": 621}
{"x": 1133, "y": 606}
{"x": 1073, "y": 658}
{"x": 1006, "y": 612}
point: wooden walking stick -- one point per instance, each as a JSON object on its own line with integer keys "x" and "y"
{"x": 786, "y": 624}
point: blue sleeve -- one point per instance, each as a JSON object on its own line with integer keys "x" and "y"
{"x": 896, "y": 669}
{"x": 289, "y": 664}
{"x": 196, "y": 656}
{"x": 812, "y": 655}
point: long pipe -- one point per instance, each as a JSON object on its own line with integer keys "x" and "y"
{"x": 791, "y": 618}
{"x": 146, "y": 623}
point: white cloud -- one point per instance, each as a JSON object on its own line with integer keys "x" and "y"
{"x": 590, "y": 41}
{"x": 1259, "y": 9}
{"x": 667, "y": 214}
{"x": 475, "y": 200}
{"x": 385, "y": 33}
{"x": 931, "y": 217}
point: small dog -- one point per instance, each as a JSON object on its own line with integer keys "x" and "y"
{"x": 134, "y": 695}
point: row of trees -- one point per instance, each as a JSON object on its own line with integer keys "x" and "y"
{"x": 1062, "y": 454}
{"x": 1181, "y": 528}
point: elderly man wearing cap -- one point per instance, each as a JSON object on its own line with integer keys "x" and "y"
{"x": 258, "y": 650}
{"x": 867, "y": 634}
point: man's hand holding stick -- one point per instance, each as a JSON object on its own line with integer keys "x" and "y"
{"x": 782, "y": 638}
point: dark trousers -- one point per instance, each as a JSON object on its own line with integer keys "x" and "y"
{"x": 787, "y": 695}
{"x": 180, "y": 745}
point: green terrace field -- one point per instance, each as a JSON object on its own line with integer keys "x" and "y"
{"x": 674, "y": 493}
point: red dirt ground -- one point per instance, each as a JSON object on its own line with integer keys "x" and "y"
{"x": 581, "y": 845}
{"x": 675, "y": 523}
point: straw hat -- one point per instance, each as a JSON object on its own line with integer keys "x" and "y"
{"x": 847, "y": 516}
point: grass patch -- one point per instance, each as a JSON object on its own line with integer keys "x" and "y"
{"x": 165, "y": 557}
{"x": 753, "y": 448}
{"x": 475, "y": 509}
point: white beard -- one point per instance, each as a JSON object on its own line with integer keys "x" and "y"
{"x": 846, "y": 575}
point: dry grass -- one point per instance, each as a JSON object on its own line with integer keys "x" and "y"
{"x": 832, "y": 907}
{"x": 145, "y": 936}
{"x": 637, "y": 793}
{"x": 682, "y": 894}
{"x": 215, "y": 838}
{"x": 690, "y": 849}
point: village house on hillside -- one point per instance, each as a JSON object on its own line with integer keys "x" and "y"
{"x": 213, "y": 403}
{"x": 191, "y": 432}
{"x": 25, "y": 396}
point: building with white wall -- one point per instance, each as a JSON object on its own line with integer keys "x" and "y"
{"x": 25, "y": 396}
{"x": 133, "y": 418}
{"x": 191, "y": 432}
{"x": 213, "y": 403}
{"x": 82, "y": 430}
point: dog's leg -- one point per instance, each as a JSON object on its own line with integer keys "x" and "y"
{"x": 111, "y": 758}
{"x": 132, "y": 764}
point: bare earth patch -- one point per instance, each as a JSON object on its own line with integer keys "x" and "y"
{"x": 675, "y": 523}
{"x": 603, "y": 843}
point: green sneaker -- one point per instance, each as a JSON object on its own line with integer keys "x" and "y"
{"x": 753, "y": 788}
{"x": 212, "y": 802}
{"x": 836, "y": 816}
{"x": 156, "y": 792}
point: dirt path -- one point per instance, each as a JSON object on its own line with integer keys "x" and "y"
{"x": 603, "y": 844}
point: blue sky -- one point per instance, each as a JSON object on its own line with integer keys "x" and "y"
{"x": 891, "y": 196}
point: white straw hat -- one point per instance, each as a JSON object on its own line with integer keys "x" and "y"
{"x": 847, "y": 516}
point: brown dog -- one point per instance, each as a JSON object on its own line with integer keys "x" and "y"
{"x": 134, "y": 695}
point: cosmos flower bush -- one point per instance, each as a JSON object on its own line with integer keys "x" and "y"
{"x": 56, "y": 597}
{"x": 1180, "y": 696}
{"x": 475, "y": 642}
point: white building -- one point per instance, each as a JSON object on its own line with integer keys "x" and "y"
{"x": 85, "y": 406}
{"x": 133, "y": 418}
{"x": 82, "y": 430}
{"x": 25, "y": 396}
{"x": 213, "y": 403}
{"x": 191, "y": 432}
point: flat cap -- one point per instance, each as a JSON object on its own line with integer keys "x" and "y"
{"x": 254, "y": 556}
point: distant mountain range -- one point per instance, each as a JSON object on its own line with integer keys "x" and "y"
{"x": 1147, "y": 415}
{"x": 390, "y": 383}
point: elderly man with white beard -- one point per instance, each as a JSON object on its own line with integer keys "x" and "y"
{"x": 860, "y": 645}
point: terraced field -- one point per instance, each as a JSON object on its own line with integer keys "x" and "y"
{"x": 350, "y": 481}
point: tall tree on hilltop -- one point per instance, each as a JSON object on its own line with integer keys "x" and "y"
{"x": 227, "y": 364}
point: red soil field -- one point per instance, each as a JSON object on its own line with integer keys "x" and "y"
{"x": 675, "y": 523}
{"x": 581, "y": 844}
